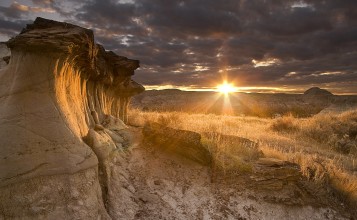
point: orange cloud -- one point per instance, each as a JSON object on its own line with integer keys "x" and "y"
{"x": 25, "y": 8}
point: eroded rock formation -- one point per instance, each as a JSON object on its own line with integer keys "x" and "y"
{"x": 185, "y": 143}
{"x": 59, "y": 87}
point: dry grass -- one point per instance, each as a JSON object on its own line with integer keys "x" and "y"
{"x": 330, "y": 131}
{"x": 310, "y": 142}
{"x": 285, "y": 124}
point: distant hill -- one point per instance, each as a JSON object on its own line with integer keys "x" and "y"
{"x": 313, "y": 101}
{"x": 316, "y": 91}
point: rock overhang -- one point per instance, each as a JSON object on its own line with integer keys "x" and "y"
{"x": 76, "y": 44}
{"x": 58, "y": 85}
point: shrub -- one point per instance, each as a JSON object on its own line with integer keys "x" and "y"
{"x": 169, "y": 120}
{"x": 285, "y": 124}
{"x": 332, "y": 130}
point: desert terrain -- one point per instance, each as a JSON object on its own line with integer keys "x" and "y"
{"x": 74, "y": 144}
{"x": 312, "y": 102}
{"x": 316, "y": 131}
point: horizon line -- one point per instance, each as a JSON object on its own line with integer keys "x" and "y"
{"x": 263, "y": 90}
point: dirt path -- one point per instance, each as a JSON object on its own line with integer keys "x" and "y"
{"x": 151, "y": 184}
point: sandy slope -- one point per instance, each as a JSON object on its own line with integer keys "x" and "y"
{"x": 151, "y": 184}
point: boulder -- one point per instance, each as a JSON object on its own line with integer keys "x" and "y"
{"x": 181, "y": 142}
{"x": 235, "y": 146}
{"x": 273, "y": 174}
{"x": 101, "y": 143}
{"x": 231, "y": 139}
{"x": 113, "y": 123}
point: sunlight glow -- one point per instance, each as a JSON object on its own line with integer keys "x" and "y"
{"x": 226, "y": 88}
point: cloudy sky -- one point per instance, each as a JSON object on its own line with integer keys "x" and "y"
{"x": 260, "y": 45}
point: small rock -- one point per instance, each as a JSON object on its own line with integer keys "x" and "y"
{"x": 157, "y": 182}
{"x": 98, "y": 127}
{"x": 113, "y": 123}
{"x": 131, "y": 188}
{"x": 36, "y": 209}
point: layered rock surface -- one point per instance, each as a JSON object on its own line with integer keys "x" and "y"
{"x": 57, "y": 88}
{"x": 185, "y": 143}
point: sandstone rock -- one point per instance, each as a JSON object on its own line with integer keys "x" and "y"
{"x": 234, "y": 153}
{"x": 231, "y": 139}
{"x": 63, "y": 196}
{"x": 182, "y": 142}
{"x": 234, "y": 144}
{"x": 59, "y": 86}
{"x": 116, "y": 137}
{"x": 113, "y": 123}
{"x": 98, "y": 127}
{"x": 6, "y": 59}
{"x": 272, "y": 173}
{"x": 101, "y": 143}
{"x": 272, "y": 162}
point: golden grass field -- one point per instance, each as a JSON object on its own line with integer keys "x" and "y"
{"x": 319, "y": 144}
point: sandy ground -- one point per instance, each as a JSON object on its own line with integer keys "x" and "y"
{"x": 150, "y": 184}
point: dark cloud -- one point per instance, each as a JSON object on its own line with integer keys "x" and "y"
{"x": 187, "y": 18}
{"x": 197, "y": 42}
{"x": 11, "y": 28}
{"x": 293, "y": 21}
{"x": 106, "y": 14}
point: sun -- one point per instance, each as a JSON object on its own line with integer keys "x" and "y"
{"x": 226, "y": 88}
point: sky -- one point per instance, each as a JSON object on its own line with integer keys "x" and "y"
{"x": 258, "y": 45}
